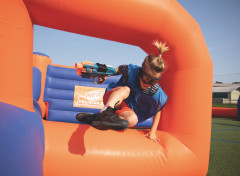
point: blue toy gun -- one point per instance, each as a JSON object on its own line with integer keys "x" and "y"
{"x": 91, "y": 70}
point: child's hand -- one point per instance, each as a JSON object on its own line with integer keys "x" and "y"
{"x": 102, "y": 79}
{"x": 152, "y": 136}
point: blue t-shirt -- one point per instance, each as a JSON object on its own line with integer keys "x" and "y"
{"x": 145, "y": 106}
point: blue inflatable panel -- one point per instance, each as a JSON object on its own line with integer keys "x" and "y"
{"x": 37, "y": 107}
{"x": 51, "y": 93}
{"x": 21, "y": 142}
{"x": 36, "y": 83}
{"x": 70, "y": 74}
{"x": 145, "y": 124}
{"x": 37, "y": 75}
{"x": 67, "y": 105}
{"x": 66, "y": 84}
{"x": 59, "y": 93}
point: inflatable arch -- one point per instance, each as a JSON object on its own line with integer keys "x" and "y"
{"x": 73, "y": 149}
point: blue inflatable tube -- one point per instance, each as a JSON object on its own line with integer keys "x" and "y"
{"x": 21, "y": 142}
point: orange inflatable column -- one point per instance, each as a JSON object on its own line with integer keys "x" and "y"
{"x": 16, "y": 33}
{"x": 41, "y": 61}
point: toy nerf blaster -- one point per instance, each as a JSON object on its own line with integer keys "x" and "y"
{"x": 91, "y": 70}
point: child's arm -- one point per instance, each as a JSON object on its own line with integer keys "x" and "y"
{"x": 122, "y": 69}
{"x": 152, "y": 133}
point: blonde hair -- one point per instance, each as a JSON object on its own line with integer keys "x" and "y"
{"x": 156, "y": 63}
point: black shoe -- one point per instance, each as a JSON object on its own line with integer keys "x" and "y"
{"x": 107, "y": 119}
{"x": 86, "y": 117}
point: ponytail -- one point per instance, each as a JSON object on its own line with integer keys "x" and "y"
{"x": 161, "y": 47}
{"x": 156, "y": 63}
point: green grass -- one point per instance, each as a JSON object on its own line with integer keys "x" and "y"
{"x": 225, "y": 148}
{"x": 224, "y": 105}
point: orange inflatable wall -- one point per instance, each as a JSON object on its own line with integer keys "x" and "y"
{"x": 185, "y": 124}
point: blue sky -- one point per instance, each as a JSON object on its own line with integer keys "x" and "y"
{"x": 219, "y": 21}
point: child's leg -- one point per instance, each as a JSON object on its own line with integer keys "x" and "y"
{"x": 130, "y": 116}
{"x": 116, "y": 95}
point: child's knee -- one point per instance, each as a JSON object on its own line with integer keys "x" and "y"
{"x": 133, "y": 120}
{"x": 125, "y": 89}
{"x": 130, "y": 116}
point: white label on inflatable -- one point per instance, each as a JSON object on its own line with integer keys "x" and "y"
{"x": 88, "y": 97}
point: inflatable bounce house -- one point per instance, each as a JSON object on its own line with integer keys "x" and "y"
{"x": 33, "y": 88}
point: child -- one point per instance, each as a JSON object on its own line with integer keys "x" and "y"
{"x": 136, "y": 97}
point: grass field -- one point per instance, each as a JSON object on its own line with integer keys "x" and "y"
{"x": 225, "y": 148}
